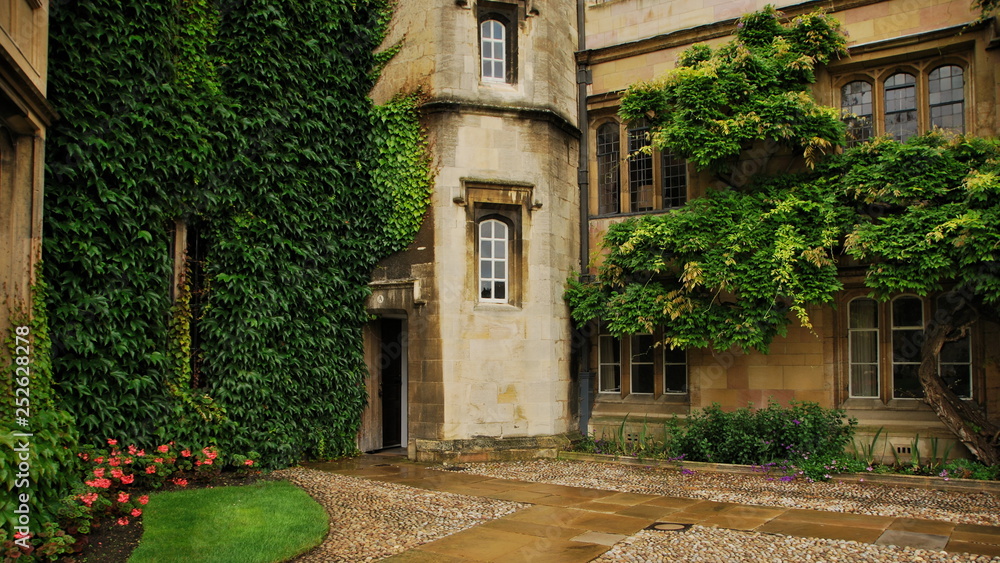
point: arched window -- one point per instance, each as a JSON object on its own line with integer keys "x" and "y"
{"x": 862, "y": 328}
{"x": 640, "y": 168}
{"x": 901, "y": 106}
{"x": 493, "y": 41}
{"x": 907, "y": 336}
{"x": 493, "y": 252}
{"x": 946, "y": 88}
{"x": 856, "y": 106}
{"x": 608, "y": 179}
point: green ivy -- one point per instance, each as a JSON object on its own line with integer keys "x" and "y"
{"x": 251, "y": 121}
{"x": 53, "y": 436}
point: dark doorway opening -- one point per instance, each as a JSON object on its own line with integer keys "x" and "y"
{"x": 392, "y": 362}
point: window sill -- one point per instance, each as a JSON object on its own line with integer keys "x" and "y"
{"x": 496, "y": 307}
{"x": 634, "y": 214}
{"x": 892, "y": 405}
{"x": 644, "y": 398}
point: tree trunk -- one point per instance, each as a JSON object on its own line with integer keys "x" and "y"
{"x": 964, "y": 418}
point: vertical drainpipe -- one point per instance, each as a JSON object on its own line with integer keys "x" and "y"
{"x": 583, "y": 78}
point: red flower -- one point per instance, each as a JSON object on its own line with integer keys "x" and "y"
{"x": 198, "y": 462}
{"x": 123, "y": 521}
{"x": 143, "y": 499}
{"x": 208, "y": 462}
{"x": 127, "y": 479}
{"x": 186, "y": 453}
{"x": 163, "y": 449}
{"x": 112, "y": 442}
{"x": 248, "y": 462}
{"x": 131, "y": 449}
{"x": 99, "y": 472}
{"x": 99, "y": 460}
{"x": 180, "y": 482}
{"x": 114, "y": 462}
{"x": 88, "y": 498}
{"x": 158, "y": 460}
{"x": 122, "y": 497}
{"x": 136, "y": 511}
{"x": 84, "y": 456}
{"x": 99, "y": 483}
{"x": 150, "y": 469}
{"x": 116, "y": 473}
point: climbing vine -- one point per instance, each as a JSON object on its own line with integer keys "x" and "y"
{"x": 250, "y": 121}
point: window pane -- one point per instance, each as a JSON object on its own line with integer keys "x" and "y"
{"x": 611, "y": 379}
{"x": 499, "y": 229}
{"x": 956, "y": 352}
{"x": 640, "y": 169}
{"x": 487, "y": 49}
{"x": 609, "y": 359}
{"x": 486, "y": 229}
{"x": 608, "y": 155}
{"x": 906, "y": 383}
{"x": 500, "y": 289}
{"x": 486, "y": 269}
{"x": 906, "y": 345}
{"x": 863, "y": 313}
{"x": 500, "y": 249}
{"x": 611, "y": 350}
{"x": 957, "y": 378}
{"x": 674, "y": 180}
{"x": 901, "y": 106}
{"x": 485, "y": 249}
{"x": 485, "y": 290}
{"x": 501, "y": 270}
{"x": 864, "y": 381}
{"x": 642, "y": 378}
{"x": 856, "y": 105}
{"x": 907, "y": 312}
{"x": 497, "y": 30}
{"x": 642, "y": 348}
{"x": 675, "y": 379}
{"x": 498, "y": 69}
{"x": 674, "y": 356}
{"x": 864, "y": 347}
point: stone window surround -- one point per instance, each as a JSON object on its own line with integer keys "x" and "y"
{"x": 921, "y": 70}
{"x": 885, "y": 401}
{"x": 507, "y": 15}
{"x": 661, "y": 163}
{"x": 512, "y": 203}
{"x": 660, "y": 363}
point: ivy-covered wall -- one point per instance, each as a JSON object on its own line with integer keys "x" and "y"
{"x": 250, "y": 122}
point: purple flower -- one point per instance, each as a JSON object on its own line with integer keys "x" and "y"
{"x": 687, "y": 472}
{"x": 787, "y": 478}
{"x": 796, "y": 422}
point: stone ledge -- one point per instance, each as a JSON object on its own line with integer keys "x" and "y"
{"x": 912, "y": 481}
{"x": 485, "y": 448}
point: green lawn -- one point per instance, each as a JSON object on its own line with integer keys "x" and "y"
{"x": 263, "y": 522}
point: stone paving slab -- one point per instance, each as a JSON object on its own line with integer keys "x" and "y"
{"x": 576, "y": 524}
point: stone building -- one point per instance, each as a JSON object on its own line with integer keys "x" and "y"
{"x": 470, "y": 354}
{"x": 25, "y": 115}
{"x": 473, "y": 332}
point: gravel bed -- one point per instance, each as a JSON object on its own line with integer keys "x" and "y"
{"x": 857, "y": 498}
{"x": 711, "y": 545}
{"x": 371, "y": 520}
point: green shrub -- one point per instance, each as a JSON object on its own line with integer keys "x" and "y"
{"x": 757, "y": 436}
